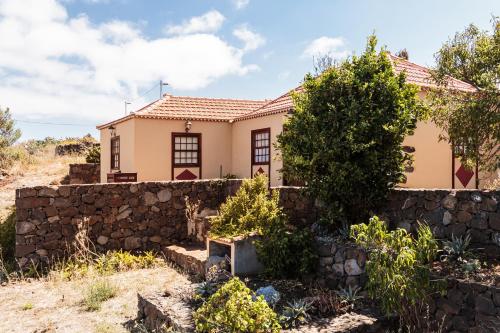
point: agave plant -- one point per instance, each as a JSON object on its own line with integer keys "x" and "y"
{"x": 457, "y": 247}
{"x": 349, "y": 295}
{"x": 296, "y": 313}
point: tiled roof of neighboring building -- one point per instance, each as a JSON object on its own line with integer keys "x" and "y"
{"x": 219, "y": 109}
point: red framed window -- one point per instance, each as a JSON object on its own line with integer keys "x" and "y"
{"x": 115, "y": 153}
{"x": 261, "y": 146}
{"x": 186, "y": 149}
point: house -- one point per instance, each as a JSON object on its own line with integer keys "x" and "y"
{"x": 181, "y": 138}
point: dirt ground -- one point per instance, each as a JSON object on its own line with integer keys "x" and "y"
{"x": 45, "y": 171}
{"x": 56, "y": 305}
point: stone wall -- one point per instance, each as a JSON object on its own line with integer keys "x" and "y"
{"x": 340, "y": 264}
{"x": 131, "y": 216}
{"x": 84, "y": 173}
{"x": 447, "y": 212}
{"x": 467, "y": 307}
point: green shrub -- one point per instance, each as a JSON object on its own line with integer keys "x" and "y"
{"x": 344, "y": 139}
{"x": 97, "y": 293}
{"x": 286, "y": 253}
{"x": 397, "y": 268}
{"x": 8, "y": 237}
{"x": 93, "y": 155}
{"x": 251, "y": 210}
{"x": 233, "y": 309}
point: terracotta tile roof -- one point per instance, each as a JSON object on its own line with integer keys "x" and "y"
{"x": 415, "y": 74}
{"x": 219, "y": 109}
{"x": 194, "y": 108}
{"x": 421, "y": 76}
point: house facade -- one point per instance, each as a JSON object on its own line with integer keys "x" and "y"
{"x": 183, "y": 138}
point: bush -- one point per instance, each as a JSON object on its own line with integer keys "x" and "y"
{"x": 398, "y": 268}
{"x": 251, "y": 210}
{"x": 344, "y": 139}
{"x": 98, "y": 292}
{"x": 93, "y": 155}
{"x": 233, "y": 309}
{"x": 287, "y": 253}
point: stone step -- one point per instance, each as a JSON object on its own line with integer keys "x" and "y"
{"x": 190, "y": 257}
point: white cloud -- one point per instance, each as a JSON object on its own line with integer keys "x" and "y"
{"x": 333, "y": 46}
{"x": 251, "y": 40}
{"x": 240, "y": 4}
{"x": 54, "y": 64}
{"x": 208, "y": 22}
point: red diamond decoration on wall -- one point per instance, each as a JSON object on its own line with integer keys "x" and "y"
{"x": 260, "y": 170}
{"x": 464, "y": 175}
{"x": 186, "y": 175}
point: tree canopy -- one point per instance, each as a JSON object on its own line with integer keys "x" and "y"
{"x": 471, "y": 121}
{"x": 344, "y": 138}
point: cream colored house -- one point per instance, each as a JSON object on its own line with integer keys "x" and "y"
{"x": 181, "y": 138}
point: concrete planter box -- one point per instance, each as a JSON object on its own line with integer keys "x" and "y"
{"x": 241, "y": 251}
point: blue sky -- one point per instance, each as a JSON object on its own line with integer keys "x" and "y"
{"x": 75, "y": 62}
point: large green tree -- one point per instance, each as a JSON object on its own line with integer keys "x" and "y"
{"x": 344, "y": 138}
{"x": 471, "y": 121}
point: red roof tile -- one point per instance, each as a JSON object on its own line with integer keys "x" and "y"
{"x": 421, "y": 76}
{"x": 219, "y": 109}
{"x": 194, "y": 108}
{"x": 415, "y": 74}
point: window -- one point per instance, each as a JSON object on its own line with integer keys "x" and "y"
{"x": 186, "y": 149}
{"x": 115, "y": 153}
{"x": 261, "y": 146}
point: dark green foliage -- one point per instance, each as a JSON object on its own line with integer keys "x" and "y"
{"x": 471, "y": 121}
{"x": 8, "y": 237}
{"x": 234, "y": 308}
{"x": 398, "y": 268}
{"x": 344, "y": 138}
{"x": 287, "y": 253}
{"x": 93, "y": 155}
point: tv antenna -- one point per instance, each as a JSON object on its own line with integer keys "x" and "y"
{"x": 161, "y": 87}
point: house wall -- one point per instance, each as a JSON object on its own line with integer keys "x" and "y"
{"x": 432, "y": 159}
{"x": 154, "y": 149}
{"x": 241, "y": 150}
{"x": 126, "y": 131}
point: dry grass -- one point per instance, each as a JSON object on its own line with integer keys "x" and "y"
{"x": 43, "y": 168}
{"x": 57, "y": 304}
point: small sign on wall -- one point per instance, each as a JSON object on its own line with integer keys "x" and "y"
{"x": 122, "y": 177}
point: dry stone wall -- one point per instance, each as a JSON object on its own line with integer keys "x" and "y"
{"x": 84, "y": 173}
{"x": 340, "y": 264}
{"x": 448, "y": 212}
{"x": 131, "y": 216}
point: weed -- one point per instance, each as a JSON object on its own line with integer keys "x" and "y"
{"x": 97, "y": 293}
{"x": 27, "y": 306}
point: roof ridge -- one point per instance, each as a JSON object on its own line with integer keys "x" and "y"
{"x": 219, "y": 98}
